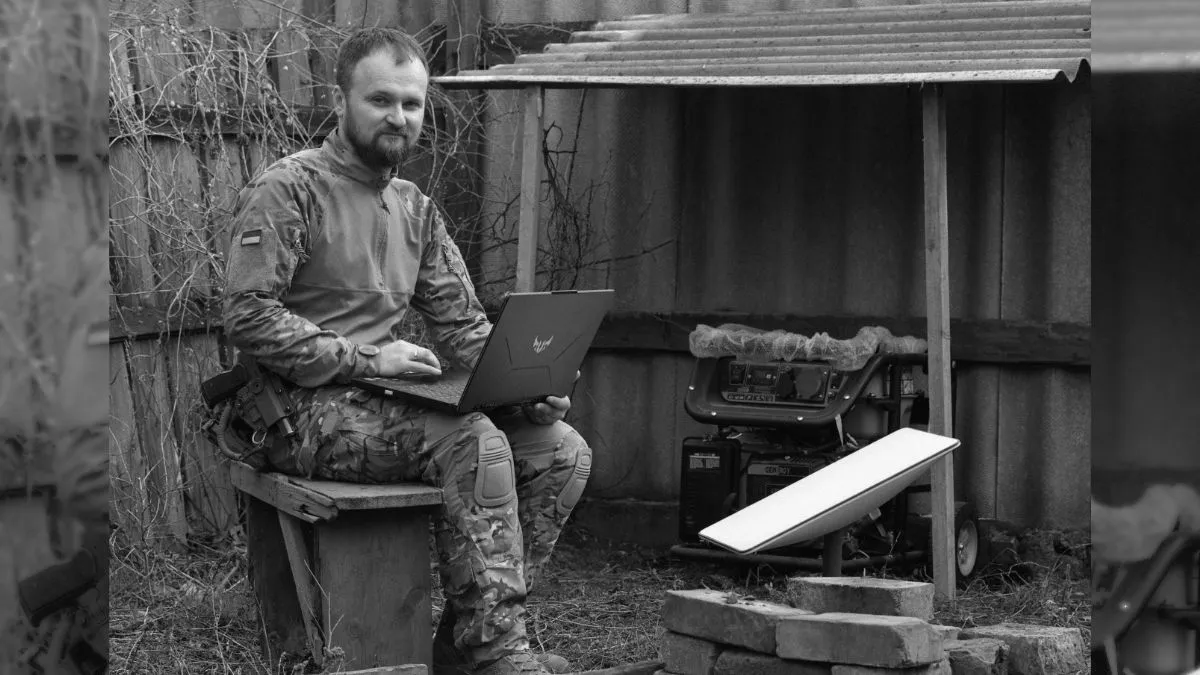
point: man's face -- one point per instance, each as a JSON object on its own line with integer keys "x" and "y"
{"x": 383, "y": 112}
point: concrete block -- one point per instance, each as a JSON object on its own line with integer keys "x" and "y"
{"x": 940, "y": 668}
{"x": 725, "y": 618}
{"x": 860, "y": 640}
{"x": 687, "y": 655}
{"x": 981, "y": 656}
{"x": 947, "y": 632}
{"x": 742, "y": 662}
{"x": 1036, "y": 650}
{"x": 864, "y": 595}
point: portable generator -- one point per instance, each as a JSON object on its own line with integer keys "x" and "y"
{"x": 776, "y": 423}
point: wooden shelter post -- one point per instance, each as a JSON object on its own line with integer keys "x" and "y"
{"x": 531, "y": 180}
{"x": 937, "y": 302}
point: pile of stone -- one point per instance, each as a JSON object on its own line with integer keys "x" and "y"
{"x": 851, "y": 626}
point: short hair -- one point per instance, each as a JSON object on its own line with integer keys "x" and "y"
{"x": 367, "y": 41}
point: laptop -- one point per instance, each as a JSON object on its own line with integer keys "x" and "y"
{"x": 536, "y": 346}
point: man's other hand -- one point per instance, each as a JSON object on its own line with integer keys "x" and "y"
{"x": 549, "y": 411}
{"x": 553, "y": 409}
{"x": 405, "y": 357}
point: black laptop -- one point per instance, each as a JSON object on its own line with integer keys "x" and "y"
{"x": 534, "y": 350}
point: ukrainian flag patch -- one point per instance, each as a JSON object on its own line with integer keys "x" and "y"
{"x": 251, "y": 237}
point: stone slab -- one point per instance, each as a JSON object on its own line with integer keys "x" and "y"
{"x": 859, "y": 639}
{"x": 1037, "y": 650}
{"x": 726, "y": 618}
{"x": 864, "y": 595}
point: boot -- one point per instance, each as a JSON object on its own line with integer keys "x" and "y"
{"x": 517, "y": 663}
{"x": 450, "y": 660}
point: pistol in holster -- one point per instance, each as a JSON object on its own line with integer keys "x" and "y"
{"x": 252, "y": 386}
{"x": 56, "y": 588}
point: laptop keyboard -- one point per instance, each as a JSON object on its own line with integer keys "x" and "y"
{"x": 448, "y": 391}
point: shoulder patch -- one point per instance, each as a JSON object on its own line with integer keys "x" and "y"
{"x": 251, "y": 238}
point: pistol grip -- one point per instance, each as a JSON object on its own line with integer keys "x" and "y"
{"x": 57, "y": 587}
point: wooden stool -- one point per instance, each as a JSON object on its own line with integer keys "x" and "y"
{"x": 341, "y": 565}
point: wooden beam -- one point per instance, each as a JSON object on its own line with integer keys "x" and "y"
{"x": 1008, "y": 342}
{"x": 1014, "y": 343}
{"x": 937, "y": 301}
{"x": 174, "y": 121}
{"x": 531, "y": 183}
{"x": 306, "y": 586}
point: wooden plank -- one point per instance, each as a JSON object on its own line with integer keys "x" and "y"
{"x": 322, "y": 50}
{"x": 130, "y": 506}
{"x": 531, "y": 183}
{"x": 1011, "y": 342}
{"x": 177, "y": 234}
{"x": 937, "y": 300}
{"x": 412, "y": 669}
{"x": 355, "y": 14}
{"x": 163, "y": 479}
{"x": 361, "y": 546}
{"x": 160, "y": 66}
{"x": 129, "y": 233}
{"x": 209, "y": 490}
{"x": 359, "y": 497}
{"x": 302, "y": 576}
{"x": 463, "y": 27}
{"x": 291, "y": 63}
{"x": 283, "y": 493}
{"x": 12, "y": 401}
{"x": 68, "y": 226}
{"x": 271, "y": 580}
{"x": 120, "y": 78}
{"x": 639, "y": 668}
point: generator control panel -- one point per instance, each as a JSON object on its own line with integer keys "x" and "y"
{"x": 804, "y": 384}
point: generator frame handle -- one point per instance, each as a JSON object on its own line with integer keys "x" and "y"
{"x": 704, "y": 403}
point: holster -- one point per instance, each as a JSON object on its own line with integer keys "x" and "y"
{"x": 253, "y": 396}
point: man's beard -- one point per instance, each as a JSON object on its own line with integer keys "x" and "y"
{"x": 370, "y": 151}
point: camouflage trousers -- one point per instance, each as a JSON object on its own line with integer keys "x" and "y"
{"x": 508, "y": 485}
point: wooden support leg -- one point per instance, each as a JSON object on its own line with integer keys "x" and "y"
{"x": 384, "y": 622}
{"x": 831, "y": 554}
{"x": 302, "y": 576}
{"x": 271, "y": 579}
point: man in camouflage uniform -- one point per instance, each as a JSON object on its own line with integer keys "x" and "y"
{"x": 329, "y": 251}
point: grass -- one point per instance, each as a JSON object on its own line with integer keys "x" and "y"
{"x": 598, "y": 603}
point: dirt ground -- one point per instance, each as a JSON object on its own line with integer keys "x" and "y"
{"x": 598, "y": 604}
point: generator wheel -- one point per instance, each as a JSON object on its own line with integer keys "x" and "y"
{"x": 967, "y": 544}
{"x": 969, "y": 556}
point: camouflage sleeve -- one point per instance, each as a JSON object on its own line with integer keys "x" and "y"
{"x": 270, "y": 235}
{"x": 446, "y": 298}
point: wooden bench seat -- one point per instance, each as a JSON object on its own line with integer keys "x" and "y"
{"x": 340, "y": 565}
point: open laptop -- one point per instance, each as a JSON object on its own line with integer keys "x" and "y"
{"x": 534, "y": 350}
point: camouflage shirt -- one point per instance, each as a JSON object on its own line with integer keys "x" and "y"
{"x": 328, "y": 255}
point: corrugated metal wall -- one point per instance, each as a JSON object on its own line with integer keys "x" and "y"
{"x": 1148, "y": 244}
{"x": 809, "y": 201}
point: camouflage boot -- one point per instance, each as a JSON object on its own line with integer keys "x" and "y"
{"x": 517, "y": 663}
{"x": 450, "y": 660}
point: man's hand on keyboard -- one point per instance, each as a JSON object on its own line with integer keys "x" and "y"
{"x": 405, "y": 357}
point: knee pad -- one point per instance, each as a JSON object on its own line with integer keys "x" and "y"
{"x": 573, "y": 490}
{"x": 495, "y": 475}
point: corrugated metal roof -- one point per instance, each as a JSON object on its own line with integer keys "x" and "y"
{"x": 1147, "y": 35}
{"x": 1002, "y": 40}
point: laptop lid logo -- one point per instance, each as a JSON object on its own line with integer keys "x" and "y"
{"x": 539, "y": 346}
